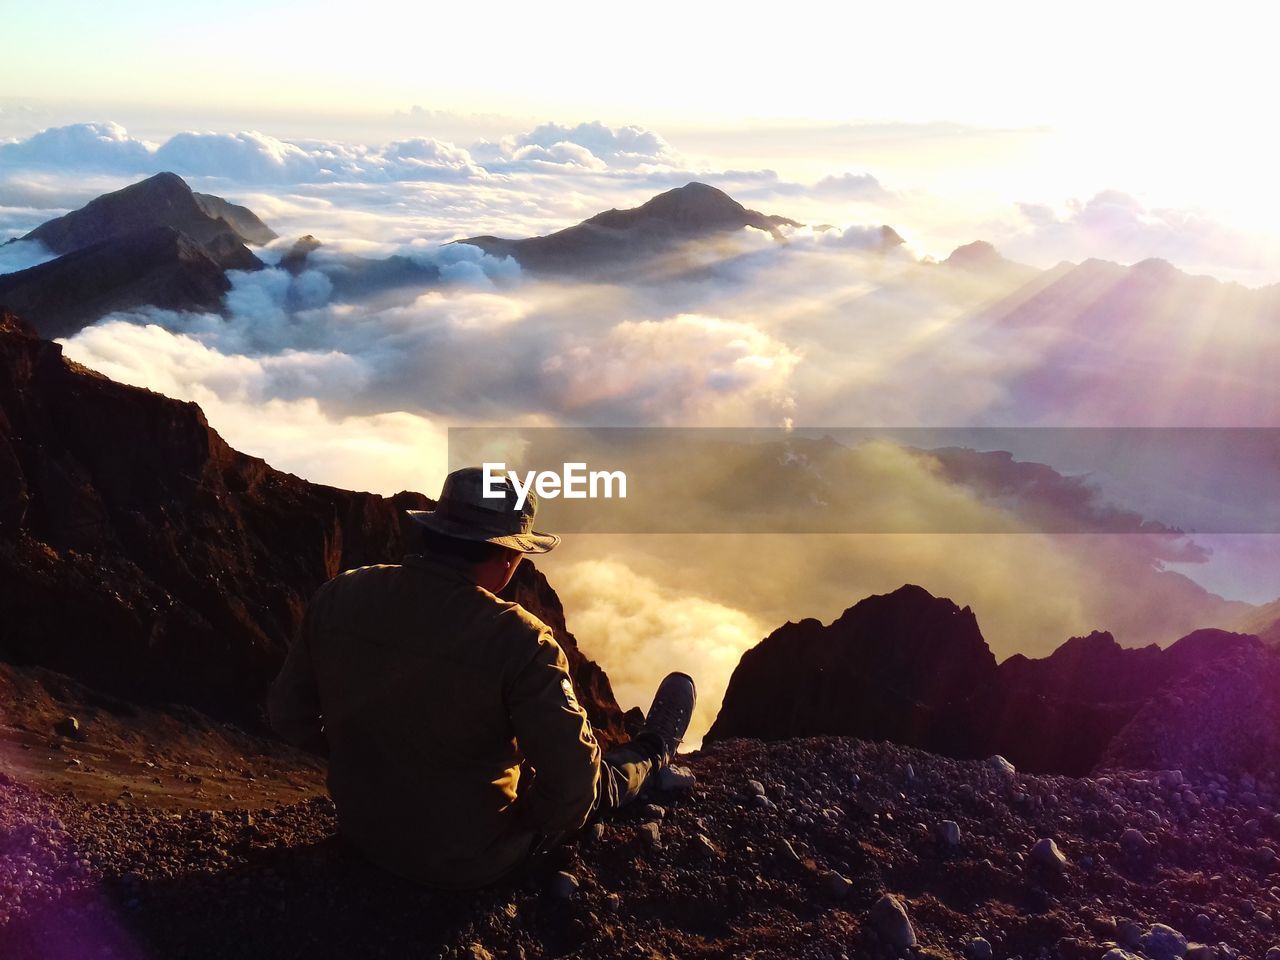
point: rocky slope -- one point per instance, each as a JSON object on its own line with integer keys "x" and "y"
{"x": 1225, "y": 717}
{"x": 821, "y": 848}
{"x": 914, "y": 669}
{"x": 154, "y": 243}
{"x": 618, "y": 237}
{"x": 142, "y": 555}
{"x": 160, "y": 267}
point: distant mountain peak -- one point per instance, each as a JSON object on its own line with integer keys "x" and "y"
{"x": 694, "y": 207}
{"x": 976, "y": 253}
{"x": 1156, "y": 267}
{"x": 163, "y": 200}
{"x": 613, "y": 237}
{"x": 155, "y": 242}
{"x": 693, "y": 198}
{"x": 983, "y": 259}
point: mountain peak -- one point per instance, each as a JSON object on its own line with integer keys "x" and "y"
{"x": 154, "y": 242}
{"x": 981, "y": 258}
{"x": 977, "y": 253}
{"x": 692, "y": 207}
{"x": 694, "y": 196}
{"x": 165, "y": 182}
{"x": 623, "y": 237}
{"x": 163, "y": 200}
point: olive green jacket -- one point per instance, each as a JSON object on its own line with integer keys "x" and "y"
{"x": 429, "y": 691}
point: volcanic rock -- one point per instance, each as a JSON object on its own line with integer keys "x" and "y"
{"x": 1001, "y": 766}
{"x": 836, "y": 885}
{"x": 1046, "y": 853}
{"x": 948, "y": 833}
{"x": 563, "y": 885}
{"x": 676, "y": 779}
{"x": 1162, "y": 942}
{"x": 211, "y": 882}
{"x": 890, "y": 920}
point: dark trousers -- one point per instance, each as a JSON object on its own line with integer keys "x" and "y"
{"x": 624, "y": 772}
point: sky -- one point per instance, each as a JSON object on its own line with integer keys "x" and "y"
{"x": 1159, "y": 100}
{"x": 1065, "y": 135}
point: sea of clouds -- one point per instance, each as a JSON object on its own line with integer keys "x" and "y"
{"x": 824, "y": 328}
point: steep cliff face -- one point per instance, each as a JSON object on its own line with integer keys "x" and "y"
{"x": 914, "y": 669}
{"x": 141, "y": 554}
{"x": 893, "y": 667}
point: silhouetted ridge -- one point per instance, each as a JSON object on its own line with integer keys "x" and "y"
{"x": 914, "y": 669}
{"x": 695, "y": 208}
{"x": 625, "y": 237}
{"x": 887, "y": 668}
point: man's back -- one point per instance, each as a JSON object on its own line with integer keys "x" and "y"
{"x": 424, "y": 681}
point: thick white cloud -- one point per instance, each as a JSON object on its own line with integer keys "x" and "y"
{"x": 590, "y": 145}
{"x": 685, "y": 369}
{"x": 258, "y": 158}
{"x": 642, "y": 629}
{"x": 251, "y": 157}
{"x": 94, "y": 146}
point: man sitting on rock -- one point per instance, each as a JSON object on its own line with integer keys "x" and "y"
{"x": 427, "y": 692}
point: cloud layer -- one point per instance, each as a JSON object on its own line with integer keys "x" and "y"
{"x": 554, "y": 174}
{"x": 356, "y": 384}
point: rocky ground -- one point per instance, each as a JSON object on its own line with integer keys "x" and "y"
{"x": 819, "y": 848}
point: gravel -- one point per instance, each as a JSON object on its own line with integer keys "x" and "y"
{"x": 81, "y": 878}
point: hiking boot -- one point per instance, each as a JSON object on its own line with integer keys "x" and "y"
{"x": 671, "y": 711}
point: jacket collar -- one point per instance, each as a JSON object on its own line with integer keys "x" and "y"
{"x": 441, "y": 566}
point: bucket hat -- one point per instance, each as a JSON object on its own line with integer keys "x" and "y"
{"x": 464, "y": 512}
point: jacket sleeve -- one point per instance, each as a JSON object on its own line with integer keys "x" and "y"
{"x": 555, "y": 737}
{"x": 293, "y": 705}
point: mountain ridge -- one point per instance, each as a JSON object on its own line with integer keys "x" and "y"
{"x": 693, "y": 211}
{"x": 914, "y": 669}
{"x": 154, "y": 243}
